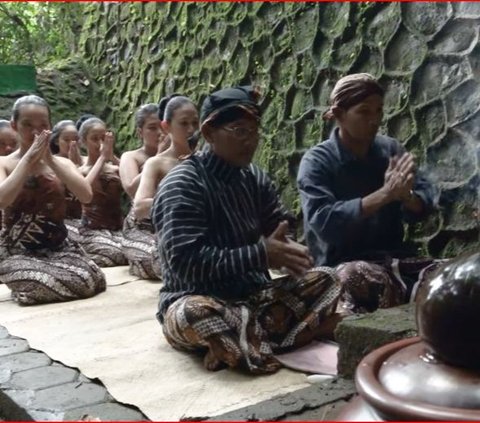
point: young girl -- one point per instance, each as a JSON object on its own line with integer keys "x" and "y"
{"x": 138, "y": 236}
{"x": 40, "y": 263}
{"x": 102, "y": 218}
{"x": 8, "y": 138}
{"x": 64, "y": 143}
{"x": 180, "y": 121}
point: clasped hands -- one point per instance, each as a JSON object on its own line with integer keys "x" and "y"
{"x": 400, "y": 177}
{"x": 286, "y": 254}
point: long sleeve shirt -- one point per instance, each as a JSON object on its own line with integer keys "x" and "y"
{"x": 210, "y": 218}
{"x": 332, "y": 183}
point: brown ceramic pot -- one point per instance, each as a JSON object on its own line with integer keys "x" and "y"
{"x": 437, "y": 376}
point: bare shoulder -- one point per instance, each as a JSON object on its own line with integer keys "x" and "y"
{"x": 8, "y": 163}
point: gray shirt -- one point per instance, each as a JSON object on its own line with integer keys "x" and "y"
{"x": 332, "y": 183}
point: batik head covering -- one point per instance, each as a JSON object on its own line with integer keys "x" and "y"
{"x": 351, "y": 90}
{"x": 245, "y": 97}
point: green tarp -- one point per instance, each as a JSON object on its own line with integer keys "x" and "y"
{"x": 15, "y": 78}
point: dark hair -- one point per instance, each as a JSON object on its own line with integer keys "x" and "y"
{"x": 143, "y": 112}
{"x": 162, "y": 104}
{"x": 170, "y": 104}
{"x": 82, "y": 119}
{"x": 87, "y": 125}
{"x": 5, "y": 124}
{"x": 25, "y": 101}
{"x": 229, "y": 115}
{"x": 56, "y": 132}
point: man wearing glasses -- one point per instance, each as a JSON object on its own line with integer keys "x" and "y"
{"x": 220, "y": 227}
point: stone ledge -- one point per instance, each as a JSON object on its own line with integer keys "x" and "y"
{"x": 358, "y": 335}
{"x": 33, "y": 387}
{"x": 294, "y": 405}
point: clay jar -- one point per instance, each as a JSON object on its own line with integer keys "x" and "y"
{"x": 435, "y": 376}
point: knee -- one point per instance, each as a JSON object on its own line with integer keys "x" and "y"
{"x": 352, "y": 271}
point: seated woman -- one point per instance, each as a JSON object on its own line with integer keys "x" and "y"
{"x": 8, "y": 138}
{"x": 220, "y": 226}
{"x": 102, "y": 218}
{"x": 8, "y": 144}
{"x": 64, "y": 143}
{"x": 138, "y": 239}
{"x": 40, "y": 263}
{"x": 180, "y": 123}
{"x": 357, "y": 189}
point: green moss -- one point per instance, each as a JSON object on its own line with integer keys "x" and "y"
{"x": 139, "y": 52}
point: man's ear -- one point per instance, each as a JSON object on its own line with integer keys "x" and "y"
{"x": 207, "y": 133}
{"x": 337, "y": 112}
{"x": 13, "y": 124}
{"x": 139, "y": 133}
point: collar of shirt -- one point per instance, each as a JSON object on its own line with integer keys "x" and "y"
{"x": 345, "y": 155}
{"x": 219, "y": 167}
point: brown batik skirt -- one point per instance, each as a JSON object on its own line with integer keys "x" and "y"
{"x": 368, "y": 285}
{"x": 246, "y": 334}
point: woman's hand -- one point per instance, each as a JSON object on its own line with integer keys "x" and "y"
{"x": 74, "y": 153}
{"x": 106, "y": 149}
{"x": 39, "y": 148}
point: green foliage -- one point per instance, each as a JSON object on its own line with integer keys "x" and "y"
{"x": 38, "y": 32}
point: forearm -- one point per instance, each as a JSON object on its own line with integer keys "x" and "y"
{"x": 200, "y": 262}
{"x": 11, "y": 186}
{"x": 142, "y": 208}
{"x": 95, "y": 171}
{"x": 131, "y": 188}
{"x": 373, "y": 202}
{"x": 73, "y": 180}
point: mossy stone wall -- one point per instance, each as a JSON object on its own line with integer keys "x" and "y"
{"x": 426, "y": 54}
{"x": 68, "y": 88}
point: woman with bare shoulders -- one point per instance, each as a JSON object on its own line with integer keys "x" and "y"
{"x": 180, "y": 121}
{"x": 41, "y": 264}
{"x": 64, "y": 143}
{"x": 8, "y": 138}
{"x": 102, "y": 218}
{"x": 138, "y": 234}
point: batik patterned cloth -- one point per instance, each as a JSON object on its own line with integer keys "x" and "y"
{"x": 287, "y": 314}
{"x": 103, "y": 246}
{"x": 140, "y": 249}
{"x": 38, "y": 261}
{"x": 101, "y": 228}
{"x": 369, "y": 285}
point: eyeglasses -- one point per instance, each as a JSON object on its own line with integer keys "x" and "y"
{"x": 241, "y": 133}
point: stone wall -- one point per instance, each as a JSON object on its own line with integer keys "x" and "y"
{"x": 68, "y": 89}
{"x": 427, "y": 56}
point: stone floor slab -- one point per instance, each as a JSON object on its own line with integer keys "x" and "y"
{"x": 106, "y": 411}
{"x": 42, "y": 377}
{"x": 11, "y": 345}
{"x": 68, "y": 396}
{"x": 24, "y": 361}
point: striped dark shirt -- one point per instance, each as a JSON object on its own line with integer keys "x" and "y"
{"x": 210, "y": 218}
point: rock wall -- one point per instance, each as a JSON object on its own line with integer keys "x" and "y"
{"x": 427, "y": 56}
{"x": 68, "y": 89}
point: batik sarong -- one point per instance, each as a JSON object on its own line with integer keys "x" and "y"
{"x": 246, "y": 334}
{"x": 140, "y": 249}
{"x": 369, "y": 285}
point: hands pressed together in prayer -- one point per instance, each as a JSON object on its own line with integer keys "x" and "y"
{"x": 40, "y": 149}
{"x": 400, "y": 177}
{"x": 74, "y": 153}
{"x": 106, "y": 148}
{"x": 286, "y": 254}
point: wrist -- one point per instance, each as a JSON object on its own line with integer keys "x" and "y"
{"x": 408, "y": 197}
